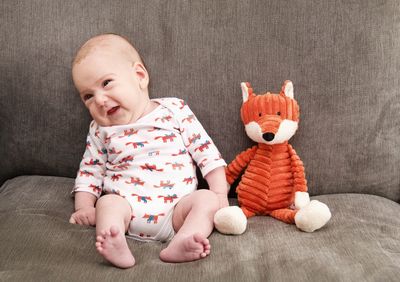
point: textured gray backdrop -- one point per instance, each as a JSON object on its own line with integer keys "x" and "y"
{"x": 343, "y": 57}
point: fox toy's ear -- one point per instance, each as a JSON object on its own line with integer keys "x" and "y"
{"x": 287, "y": 89}
{"x": 247, "y": 91}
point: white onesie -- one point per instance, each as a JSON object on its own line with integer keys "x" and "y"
{"x": 149, "y": 163}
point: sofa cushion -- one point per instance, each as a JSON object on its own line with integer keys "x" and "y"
{"x": 343, "y": 57}
{"x": 362, "y": 241}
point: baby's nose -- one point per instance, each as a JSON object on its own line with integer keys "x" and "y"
{"x": 100, "y": 100}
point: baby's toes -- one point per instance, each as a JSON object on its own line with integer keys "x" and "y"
{"x": 206, "y": 244}
{"x": 200, "y": 239}
{"x": 99, "y": 247}
{"x": 105, "y": 233}
{"x": 100, "y": 239}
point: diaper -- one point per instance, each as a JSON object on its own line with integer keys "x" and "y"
{"x": 148, "y": 226}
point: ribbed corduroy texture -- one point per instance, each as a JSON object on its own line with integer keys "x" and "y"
{"x": 272, "y": 174}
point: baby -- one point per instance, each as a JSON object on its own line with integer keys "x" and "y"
{"x": 141, "y": 154}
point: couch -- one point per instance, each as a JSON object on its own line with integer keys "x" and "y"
{"x": 343, "y": 58}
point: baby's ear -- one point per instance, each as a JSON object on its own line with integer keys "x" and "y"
{"x": 142, "y": 75}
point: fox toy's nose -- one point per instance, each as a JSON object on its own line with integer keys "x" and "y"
{"x": 268, "y": 136}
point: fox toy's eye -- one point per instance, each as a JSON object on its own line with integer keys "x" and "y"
{"x": 259, "y": 114}
{"x": 278, "y": 113}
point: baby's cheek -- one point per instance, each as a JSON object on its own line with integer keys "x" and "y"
{"x": 95, "y": 114}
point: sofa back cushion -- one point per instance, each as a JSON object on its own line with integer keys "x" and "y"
{"x": 343, "y": 58}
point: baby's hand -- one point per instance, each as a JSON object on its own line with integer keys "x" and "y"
{"x": 84, "y": 216}
{"x": 223, "y": 200}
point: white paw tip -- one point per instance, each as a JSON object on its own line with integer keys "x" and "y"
{"x": 313, "y": 216}
{"x": 230, "y": 220}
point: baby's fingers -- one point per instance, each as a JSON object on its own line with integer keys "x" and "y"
{"x": 78, "y": 219}
{"x": 83, "y": 220}
{"x": 92, "y": 221}
{"x": 72, "y": 220}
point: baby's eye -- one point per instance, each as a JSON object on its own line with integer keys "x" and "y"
{"x": 106, "y": 82}
{"x": 87, "y": 97}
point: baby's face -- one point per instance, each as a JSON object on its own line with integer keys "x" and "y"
{"x": 112, "y": 88}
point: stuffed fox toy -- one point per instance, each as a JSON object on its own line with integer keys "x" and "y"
{"x": 273, "y": 181}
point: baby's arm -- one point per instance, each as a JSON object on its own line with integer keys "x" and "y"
{"x": 89, "y": 180}
{"x": 84, "y": 209}
{"x": 216, "y": 180}
{"x": 203, "y": 151}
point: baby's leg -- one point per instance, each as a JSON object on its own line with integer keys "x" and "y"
{"x": 113, "y": 214}
{"x": 193, "y": 220}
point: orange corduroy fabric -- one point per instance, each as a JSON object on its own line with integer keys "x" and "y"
{"x": 272, "y": 173}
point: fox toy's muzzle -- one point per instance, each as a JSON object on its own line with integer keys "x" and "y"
{"x": 269, "y": 136}
{"x": 269, "y": 126}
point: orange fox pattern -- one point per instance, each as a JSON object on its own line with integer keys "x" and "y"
{"x": 272, "y": 172}
{"x": 150, "y": 162}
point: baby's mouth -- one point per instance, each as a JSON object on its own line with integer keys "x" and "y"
{"x": 112, "y": 110}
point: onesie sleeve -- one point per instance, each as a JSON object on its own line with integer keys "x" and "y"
{"x": 92, "y": 167}
{"x": 197, "y": 141}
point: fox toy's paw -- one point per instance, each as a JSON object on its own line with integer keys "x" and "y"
{"x": 313, "y": 216}
{"x": 230, "y": 220}
{"x": 301, "y": 199}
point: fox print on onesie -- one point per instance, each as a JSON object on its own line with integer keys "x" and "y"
{"x": 150, "y": 164}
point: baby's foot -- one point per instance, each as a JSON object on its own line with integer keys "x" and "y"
{"x": 183, "y": 248}
{"x": 112, "y": 245}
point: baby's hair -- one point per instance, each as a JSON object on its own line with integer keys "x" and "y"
{"x": 103, "y": 40}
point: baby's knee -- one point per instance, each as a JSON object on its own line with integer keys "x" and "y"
{"x": 109, "y": 200}
{"x": 207, "y": 199}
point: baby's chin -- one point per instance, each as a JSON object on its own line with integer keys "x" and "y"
{"x": 115, "y": 121}
{"x": 119, "y": 115}
{"x": 108, "y": 122}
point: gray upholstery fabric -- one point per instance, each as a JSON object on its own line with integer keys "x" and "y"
{"x": 343, "y": 57}
{"x": 361, "y": 243}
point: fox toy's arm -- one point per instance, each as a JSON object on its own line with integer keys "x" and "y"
{"x": 302, "y": 197}
{"x": 235, "y": 168}
{"x": 300, "y": 182}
